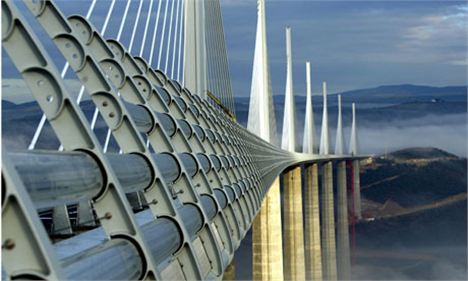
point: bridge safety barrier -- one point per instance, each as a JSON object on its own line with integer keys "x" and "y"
{"x": 199, "y": 178}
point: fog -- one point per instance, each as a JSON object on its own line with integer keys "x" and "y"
{"x": 442, "y": 263}
{"x": 447, "y": 132}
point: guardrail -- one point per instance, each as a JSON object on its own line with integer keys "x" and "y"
{"x": 202, "y": 177}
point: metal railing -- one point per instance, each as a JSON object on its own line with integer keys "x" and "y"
{"x": 202, "y": 183}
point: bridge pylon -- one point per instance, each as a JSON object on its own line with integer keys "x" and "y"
{"x": 343, "y": 255}
{"x": 353, "y": 150}
{"x": 328, "y": 213}
{"x": 267, "y": 227}
{"x": 294, "y": 266}
{"x": 195, "y": 72}
{"x": 313, "y": 249}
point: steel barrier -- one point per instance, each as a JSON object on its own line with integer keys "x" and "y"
{"x": 202, "y": 183}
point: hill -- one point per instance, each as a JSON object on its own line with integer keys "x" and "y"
{"x": 407, "y": 92}
{"x": 416, "y": 208}
{"x": 381, "y": 104}
{"x": 414, "y": 176}
{"x": 387, "y": 94}
{"x": 420, "y": 153}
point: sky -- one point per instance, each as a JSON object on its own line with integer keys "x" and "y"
{"x": 352, "y": 44}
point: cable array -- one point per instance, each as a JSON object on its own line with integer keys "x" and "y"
{"x": 169, "y": 55}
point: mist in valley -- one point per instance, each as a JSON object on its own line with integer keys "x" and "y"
{"x": 448, "y": 132}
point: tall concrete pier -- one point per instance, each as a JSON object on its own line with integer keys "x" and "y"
{"x": 259, "y": 246}
{"x": 343, "y": 254}
{"x": 313, "y": 248}
{"x": 267, "y": 238}
{"x": 294, "y": 266}
{"x": 357, "y": 189}
{"x": 328, "y": 224}
{"x": 353, "y": 150}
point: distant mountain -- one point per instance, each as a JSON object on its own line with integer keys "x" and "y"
{"x": 408, "y": 91}
{"x": 394, "y": 94}
{"x": 394, "y": 91}
{"x": 383, "y": 103}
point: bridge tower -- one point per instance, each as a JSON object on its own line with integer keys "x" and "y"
{"x": 206, "y": 67}
{"x": 195, "y": 48}
{"x": 313, "y": 249}
{"x": 343, "y": 262}
{"x": 328, "y": 216}
{"x": 293, "y": 219}
{"x": 266, "y": 228}
{"x": 353, "y": 150}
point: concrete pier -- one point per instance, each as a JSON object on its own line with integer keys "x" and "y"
{"x": 343, "y": 253}
{"x": 313, "y": 248}
{"x": 294, "y": 260}
{"x": 230, "y": 272}
{"x": 267, "y": 248}
{"x": 328, "y": 224}
{"x": 357, "y": 189}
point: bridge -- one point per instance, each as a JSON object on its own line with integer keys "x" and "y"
{"x": 170, "y": 189}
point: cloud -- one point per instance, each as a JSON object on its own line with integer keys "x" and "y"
{"x": 231, "y": 3}
{"x": 442, "y": 33}
{"x": 447, "y": 132}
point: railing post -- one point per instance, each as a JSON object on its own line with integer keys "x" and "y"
{"x": 61, "y": 221}
{"x": 313, "y": 249}
{"x": 343, "y": 254}
{"x": 85, "y": 214}
{"x": 328, "y": 224}
{"x": 294, "y": 266}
